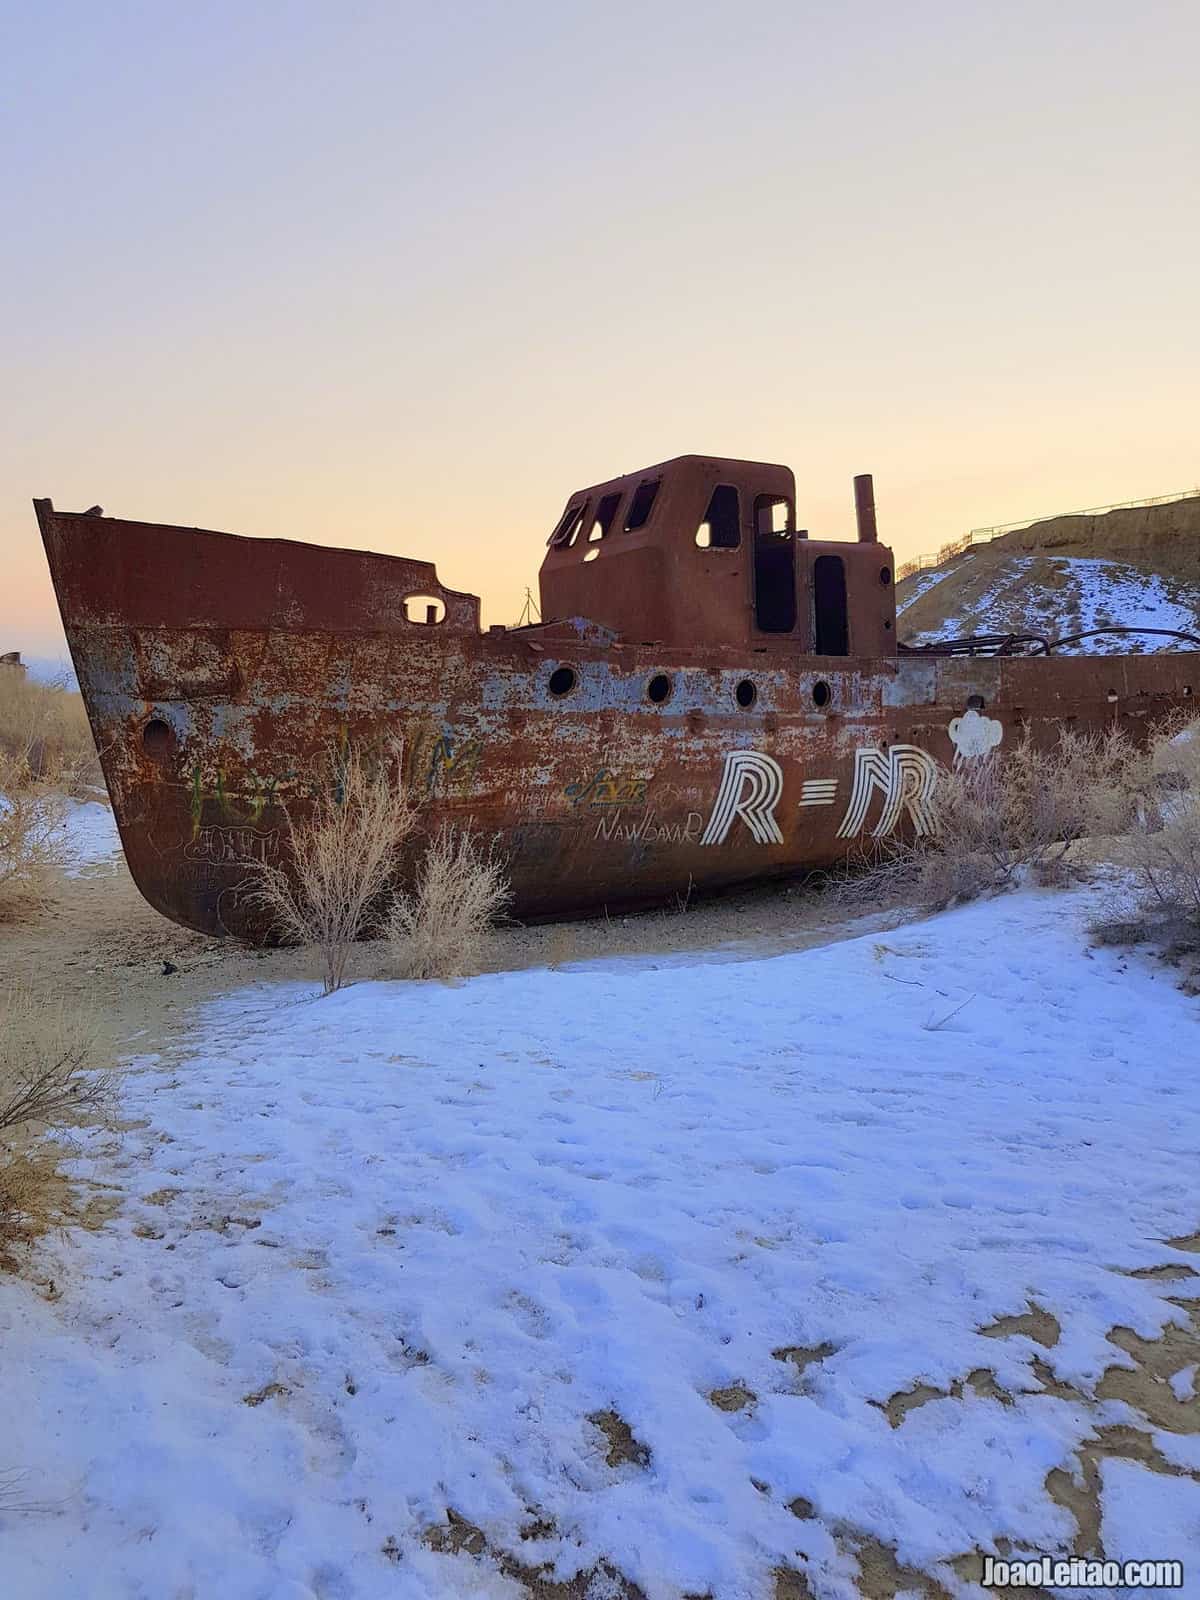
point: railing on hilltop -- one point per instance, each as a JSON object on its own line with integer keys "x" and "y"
{"x": 956, "y": 547}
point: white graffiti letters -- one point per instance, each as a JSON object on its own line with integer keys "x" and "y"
{"x": 905, "y": 775}
{"x": 751, "y": 785}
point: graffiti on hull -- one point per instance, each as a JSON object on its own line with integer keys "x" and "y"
{"x": 230, "y": 846}
{"x": 647, "y": 829}
{"x": 903, "y": 778}
{"x": 973, "y": 736}
{"x": 750, "y": 789}
{"x": 608, "y": 788}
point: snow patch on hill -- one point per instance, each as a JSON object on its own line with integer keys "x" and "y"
{"x": 919, "y": 584}
{"x": 1065, "y": 595}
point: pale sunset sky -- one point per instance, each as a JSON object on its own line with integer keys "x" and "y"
{"x": 401, "y": 276}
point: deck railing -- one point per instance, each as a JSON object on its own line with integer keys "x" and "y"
{"x": 956, "y": 547}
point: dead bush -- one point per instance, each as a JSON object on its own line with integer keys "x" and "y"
{"x": 343, "y": 858}
{"x": 437, "y": 930}
{"x": 32, "y": 839}
{"x": 48, "y": 1085}
{"x": 33, "y": 1195}
{"x": 1159, "y": 899}
{"x": 46, "y": 754}
{"x": 1007, "y": 815}
{"x": 45, "y": 738}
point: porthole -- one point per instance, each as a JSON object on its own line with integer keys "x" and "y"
{"x": 158, "y": 739}
{"x": 821, "y": 694}
{"x": 562, "y": 681}
{"x": 591, "y": 555}
{"x": 885, "y": 576}
{"x": 658, "y": 690}
{"x": 887, "y": 625}
{"x": 745, "y": 694}
{"x": 975, "y": 702}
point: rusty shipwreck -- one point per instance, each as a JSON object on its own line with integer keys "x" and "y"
{"x": 714, "y": 696}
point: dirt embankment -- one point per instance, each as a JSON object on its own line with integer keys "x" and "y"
{"x": 1164, "y": 539}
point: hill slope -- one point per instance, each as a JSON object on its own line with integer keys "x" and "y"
{"x": 1138, "y": 567}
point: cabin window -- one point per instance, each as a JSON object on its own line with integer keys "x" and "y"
{"x": 603, "y": 521}
{"x": 774, "y": 565}
{"x": 568, "y": 527}
{"x": 831, "y": 633}
{"x": 642, "y": 504}
{"x": 772, "y": 513}
{"x": 721, "y": 528}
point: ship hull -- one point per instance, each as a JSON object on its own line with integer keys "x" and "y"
{"x": 223, "y": 675}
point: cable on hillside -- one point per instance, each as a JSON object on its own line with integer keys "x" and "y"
{"x": 1028, "y": 644}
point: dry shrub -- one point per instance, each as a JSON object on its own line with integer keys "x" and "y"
{"x": 343, "y": 860}
{"x": 46, "y": 754}
{"x": 1160, "y": 854}
{"x": 45, "y": 738}
{"x": 32, "y": 1194}
{"x": 438, "y": 930}
{"x": 1009, "y": 814}
{"x": 32, "y": 839}
{"x": 47, "y": 1087}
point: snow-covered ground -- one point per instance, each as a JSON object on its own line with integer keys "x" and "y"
{"x": 1087, "y": 594}
{"x": 387, "y": 1256}
{"x": 90, "y": 836}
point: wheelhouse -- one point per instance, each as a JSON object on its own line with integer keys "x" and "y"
{"x": 706, "y": 550}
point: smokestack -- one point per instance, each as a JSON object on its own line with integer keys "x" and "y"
{"x": 864, "y": 508}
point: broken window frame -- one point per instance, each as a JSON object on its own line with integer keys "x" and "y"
{"x": 604, "y": 520}
{"x": 722, "y": 489}
{"x": 641, "y": 504}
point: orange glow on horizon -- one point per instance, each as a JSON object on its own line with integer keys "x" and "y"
{"x": 386, "y": 280}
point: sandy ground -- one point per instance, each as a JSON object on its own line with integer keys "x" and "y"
{"x": 98, "y": 944}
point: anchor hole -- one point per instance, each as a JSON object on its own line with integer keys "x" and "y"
{"x": 158, "y": 739}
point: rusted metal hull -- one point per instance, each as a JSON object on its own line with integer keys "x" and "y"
{"x": 220, "y": 672}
